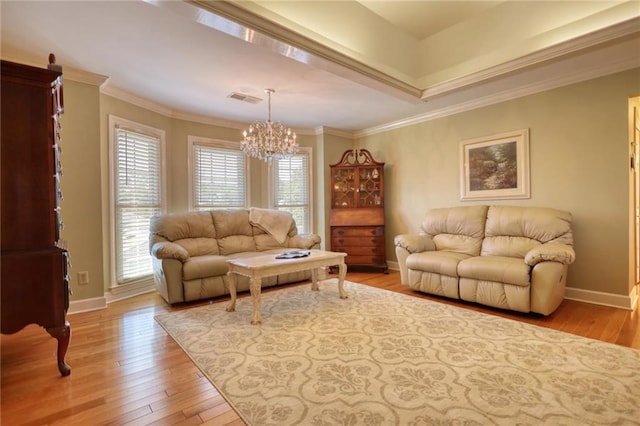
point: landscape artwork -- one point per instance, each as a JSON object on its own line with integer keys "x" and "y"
{"x": 495, "y": 167}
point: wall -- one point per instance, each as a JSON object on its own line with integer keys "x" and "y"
{"x": 85, "y": 181}
{"x": 578, "y": 156}
{"x": 81, "y": 179}
{"x": 578, "y": 162}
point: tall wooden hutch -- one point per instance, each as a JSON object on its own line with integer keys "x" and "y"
{"x": 357, "y": 209}
{"x": 35, "y": 285}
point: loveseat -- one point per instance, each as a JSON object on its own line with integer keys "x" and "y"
{"x": 507, "y": 257}
{"x": 190, "y": 250}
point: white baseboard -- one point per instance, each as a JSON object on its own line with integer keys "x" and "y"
{"x": 126, "y": 291}
{"x": 605, "y": 299}
{"x": 86, "y": 305}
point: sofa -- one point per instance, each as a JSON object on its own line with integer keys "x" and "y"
{"x": 190, "y": 250}
{"x": 507, "y": 257}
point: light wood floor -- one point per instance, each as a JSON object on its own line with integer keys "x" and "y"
{"x": 127, "y": 370}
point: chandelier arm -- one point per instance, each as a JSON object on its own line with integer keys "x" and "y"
{"x": 266, "y": 140}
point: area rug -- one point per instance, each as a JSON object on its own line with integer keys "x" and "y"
{"x": 385, "y": 358}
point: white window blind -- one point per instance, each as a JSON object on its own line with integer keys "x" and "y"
{"x": 291, "y": 180}
{"x": 219, "y": 177}
{"x": 138, "y": 197}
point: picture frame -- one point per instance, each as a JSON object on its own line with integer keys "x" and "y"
{"x": 495, "y": 167}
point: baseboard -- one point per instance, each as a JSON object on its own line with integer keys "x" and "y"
{"x": 605, "y": 299}
{"x": 86, "y": 305}
{"x": 126, "y": 291}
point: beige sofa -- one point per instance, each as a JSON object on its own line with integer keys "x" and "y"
{"x": 503, "y": 256}
{"x": 190, "y": 250}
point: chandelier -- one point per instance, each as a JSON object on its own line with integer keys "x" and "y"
{"x": 266, "y": 140}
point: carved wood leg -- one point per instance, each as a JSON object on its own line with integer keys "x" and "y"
{"x": 314, "y": 280}
{"x": 63, "y": 335}
{"x": 255, "y": 287}
{"x": 231, "y": 281}
{"x": 342, "y": 273}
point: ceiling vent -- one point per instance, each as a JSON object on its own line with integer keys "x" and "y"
{"x": 244, "y": 98}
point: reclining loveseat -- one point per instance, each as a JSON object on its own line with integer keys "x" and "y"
{"x": 507, "y": 257}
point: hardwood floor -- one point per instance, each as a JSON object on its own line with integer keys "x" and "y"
{"x": 127, "y": 371}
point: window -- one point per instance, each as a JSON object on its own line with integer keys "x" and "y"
{"x": 290, "y": 187}
{"x": 219, "y": 175}
{"x": 137, "y": 172}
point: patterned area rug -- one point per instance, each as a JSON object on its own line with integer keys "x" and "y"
{"x": 384, "y": 358}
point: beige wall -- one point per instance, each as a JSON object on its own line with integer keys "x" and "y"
{"x": 578, "y": 162}
{"x": 86, "y": 176}
{"x": 578, "y": 157}
{"x": 81, "y": 181}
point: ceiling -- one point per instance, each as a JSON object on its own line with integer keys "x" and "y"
{"x": 350, "y": 66}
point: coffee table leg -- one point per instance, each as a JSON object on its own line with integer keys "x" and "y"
{"x": 255, "y": 286}
{"x": 342, "y": 272}
{"x": 314, "y": 280}
{"x": 231, "y": 283}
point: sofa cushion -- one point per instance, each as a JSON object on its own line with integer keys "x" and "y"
{"x": 441, "y": 262}
{"x": 235, "y": 233}
{"x": 508, "y": 246}
{"x": 513, "y": 231}
{"x": 501, "y": 269}
{"x": 183, "y": 228}
{"x": 204, "y": 266}
{"x": 458, "y": 229}
{"x": 199, "y": 246}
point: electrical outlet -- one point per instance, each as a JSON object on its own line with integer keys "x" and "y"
{"x": 83, "y": 278}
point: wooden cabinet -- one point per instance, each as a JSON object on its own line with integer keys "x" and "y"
{"x": 35, "y": 285}
{"x": 357, "y": 209}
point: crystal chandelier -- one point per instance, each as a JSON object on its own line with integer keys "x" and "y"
{"x": 266, "y": 140}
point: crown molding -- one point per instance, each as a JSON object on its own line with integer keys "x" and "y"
{"x": 136, "y": 100}
{"x": 300, "y": 47}
{"x": 68, "y": 73}
{"x": 163, "y": 110}
{"x": 614, "y": 32}
{"x": 85, "y": 77}
{"x": 324, "y": 130}
{"x": 556, "y": 80}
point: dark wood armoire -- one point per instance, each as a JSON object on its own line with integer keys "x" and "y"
{"x": 34, "y": 282}
{"x": 357, "y": 209}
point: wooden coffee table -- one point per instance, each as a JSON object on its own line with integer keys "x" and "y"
{"x": 266, "y": 265}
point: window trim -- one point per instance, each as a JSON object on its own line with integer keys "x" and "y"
{"x": 308, "y": 151}
{"x": 216, "y": 143}
{"x": 151, "y": 131}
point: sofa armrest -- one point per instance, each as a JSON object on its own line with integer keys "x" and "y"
{"x": 550, "y": 252}
{"x": 414, "y": 243}
{"x": 304, "y": 241}
{"x": 168, "y": 250}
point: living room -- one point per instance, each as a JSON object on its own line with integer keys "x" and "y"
{"x": 578, "y": 124}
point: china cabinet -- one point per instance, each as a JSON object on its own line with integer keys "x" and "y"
{"x": 357, "y": 209}
{"x": 35, "y": 284}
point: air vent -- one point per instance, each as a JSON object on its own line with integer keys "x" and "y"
{"x": 244, "y": 98}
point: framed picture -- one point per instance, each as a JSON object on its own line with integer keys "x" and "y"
{"x": 495, "y": 167}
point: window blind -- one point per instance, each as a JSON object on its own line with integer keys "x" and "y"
{"x": 138, "y": 197}
{"x": 219, "y": 178}
{"x": 291, "y": 188}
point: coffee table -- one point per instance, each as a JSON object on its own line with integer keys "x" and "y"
{"x": 266, "y": 265}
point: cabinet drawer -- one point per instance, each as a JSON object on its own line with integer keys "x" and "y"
{"x": 360, "y": 250}
{"x": 358, "y": 231}
{"x": 364, "y": 260}
{"x": 357, "y": 241}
